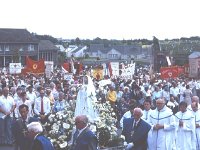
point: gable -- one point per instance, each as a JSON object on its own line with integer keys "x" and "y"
{"x": 16, "y": 36}
{"x": 113, "y": 51}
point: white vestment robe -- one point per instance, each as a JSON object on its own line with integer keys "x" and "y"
{"x": 185, "y": 136}
{"x": 162, "y": 139}
{"x": 197, "y": 121}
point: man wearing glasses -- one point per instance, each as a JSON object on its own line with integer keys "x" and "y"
{"x": 83, "y": 138}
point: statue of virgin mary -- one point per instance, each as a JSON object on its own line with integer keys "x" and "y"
{"x": 86, "y": 98}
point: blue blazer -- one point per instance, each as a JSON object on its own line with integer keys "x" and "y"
{"x": 138, "y": 135}
{"x": 86, "y": 141}
{"x": 42, "y": 143}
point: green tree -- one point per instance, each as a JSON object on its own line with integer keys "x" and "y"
{"x": 61, "y": 57}
{"x": 16, "y": 56}
{"x": 78, "y": 41}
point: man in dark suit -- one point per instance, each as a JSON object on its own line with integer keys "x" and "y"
{"x": 20, "y": 128}
{"x": 83, "y": 138}
{"x": 136, "y": 131}
{"x": 40, "y": 142}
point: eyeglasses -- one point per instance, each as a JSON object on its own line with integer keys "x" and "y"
{"x": 78, "y": 122}
{"x": 159, "y": 103}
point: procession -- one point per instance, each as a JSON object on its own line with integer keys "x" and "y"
{"x": 99, "y": 75}
{"x": 99, "y": 108}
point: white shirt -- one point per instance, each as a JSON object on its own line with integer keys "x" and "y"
{"x": 198, "y": 85}
{"x": 174, "y": 91}
{"x": 6, "y": 104}
{"x": 46, "y": 105}
{"x": 80, "y": 131}
{"x": 16, "y": 98}
{"x": 126, "y": 115}
{"x": 20, "y": 102}
{"x": 146, "y": 115}
{"x": 166, "y": 95}
{"x": 31, "y": 96}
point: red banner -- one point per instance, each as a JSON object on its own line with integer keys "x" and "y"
{"x": 110, "y": 69}
{"x": 78, "y": 67}
{"x": 169, "y": 72}
{"x": 181, "y": 70}
{"x": 35, "y": 67}
{"x": 66, "y": 66}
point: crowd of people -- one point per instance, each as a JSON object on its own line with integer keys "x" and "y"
{"x": 152, "y": 113}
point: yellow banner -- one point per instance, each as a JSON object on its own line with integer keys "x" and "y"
{"x": 98, "y": 74}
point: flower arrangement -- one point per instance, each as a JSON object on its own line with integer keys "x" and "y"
{"x": 60, "y": 125}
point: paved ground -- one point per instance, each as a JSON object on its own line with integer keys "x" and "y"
{"x": 7, "y": 148}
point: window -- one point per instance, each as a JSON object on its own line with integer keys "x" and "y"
{"x": 31, "y": 47}
{"x": 21, "y": 49}
{"x": 7, "y": 48}
{"x": 1, "y": 47}
{"x": 113, "y": 55}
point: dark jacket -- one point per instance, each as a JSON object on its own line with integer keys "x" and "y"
{"x": 19, "y": 133}
{"x": 42, "y": 143}
{"x": 137, "y": 135}
{"x": 85, "y": 141}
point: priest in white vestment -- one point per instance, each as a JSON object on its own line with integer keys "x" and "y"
{"x": 161, "y": 136}
{"x": 194, "y": 99}
{"x": 196, "y": 113}
{"x": 185, "y": 129}
{"x": 86, "y": 98}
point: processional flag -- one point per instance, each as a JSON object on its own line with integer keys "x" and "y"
{"x": 66, "y": 68}
{"x": 34, "y": 67}
{"x": 169, "y": 72}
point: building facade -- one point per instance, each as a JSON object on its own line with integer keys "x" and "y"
{"x": 16, "y": 44}
{"x": 194, "y": 65}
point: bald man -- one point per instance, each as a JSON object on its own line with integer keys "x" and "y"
{"x": 135, "y": 131}
{"x": 83, "y": 138}
{"x": 161, "y": 135}
{"x": 196, "y": 100}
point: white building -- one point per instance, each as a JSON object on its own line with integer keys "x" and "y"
{"x": 194, "y": 64}
{"x": 76, "y": 51}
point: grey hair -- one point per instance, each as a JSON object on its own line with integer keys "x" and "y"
{"x": 138, "y": 110}
{"x": 195, "y": 98}
{"x": 84, "y": 119}
{"x": 35, "y": 127}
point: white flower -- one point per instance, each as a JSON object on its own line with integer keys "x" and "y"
{"x": 55, "y": 127}
{"x": 66, "y": 125}
{"x": 109, "y": 128}
{"x": 63, "y": 145}
{"x": 62, "y": 137}
{"x": 122, "y": 137}
{"x": 93, "y": 128}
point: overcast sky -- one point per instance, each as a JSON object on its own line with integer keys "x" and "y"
{"x": 110, "y": 19}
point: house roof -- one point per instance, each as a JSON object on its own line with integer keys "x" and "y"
{"x": 78, "y": 49}
{"x": 123, "y": 49}
{"x": 47, "y": 45}
{"x": 61, "y": 47}
{"x": 96, "y": 47}
{"x": 16, "y": 36}
{"x": 195, "y": 55}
